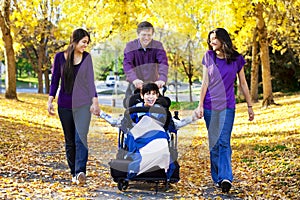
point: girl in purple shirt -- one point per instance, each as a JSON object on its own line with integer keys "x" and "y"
{"x": 217, "y": 102}
{"x": 77, "y": 99}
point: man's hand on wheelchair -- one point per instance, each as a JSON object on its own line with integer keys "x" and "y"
{"x": 138, "y": 83}
{"x": 160, "y": 84}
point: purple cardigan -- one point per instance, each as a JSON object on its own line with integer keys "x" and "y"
{"x": 84, "y": 87}
{"x": 150, "y": 64}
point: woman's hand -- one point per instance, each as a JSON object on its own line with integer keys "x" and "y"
{"x": 50, "y": 106}
{"x": 51, "y": 109}
{"x": 95, "y": 109}
{"x": 250, "y": 113}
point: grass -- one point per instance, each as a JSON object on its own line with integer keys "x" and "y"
{"x": 183, "y": 105}
{"x": 22, "y": 82}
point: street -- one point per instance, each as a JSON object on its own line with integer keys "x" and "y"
{"x": 113, "y": 96}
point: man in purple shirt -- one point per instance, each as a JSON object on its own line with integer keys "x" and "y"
{"x": 145, "y": 59}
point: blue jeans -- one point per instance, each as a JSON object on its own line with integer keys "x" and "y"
{"x": 219, "y": 125}
{"x": 75, "y": 123}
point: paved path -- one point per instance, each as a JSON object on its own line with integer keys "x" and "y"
{"x": 143, "y": 190}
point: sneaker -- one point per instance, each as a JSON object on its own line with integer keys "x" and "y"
{"x": 74, "y": 180}
{"x": 226, "y": 185}
{"x": 217, "y": 185}
{"x": 80, "y": 178}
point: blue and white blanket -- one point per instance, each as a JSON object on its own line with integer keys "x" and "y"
{"x": 148, "y": 146}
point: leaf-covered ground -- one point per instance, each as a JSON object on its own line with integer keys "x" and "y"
{"x": 265, "y": 158}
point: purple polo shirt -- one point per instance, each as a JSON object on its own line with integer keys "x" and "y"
{"x": 84, "y": 87}
{"x": 220, "y": 92}
{"x": 148, "y": 65}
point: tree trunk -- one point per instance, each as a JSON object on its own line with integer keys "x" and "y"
{"x": 176, "y": 64}
{"x": 190, "y": 73}
{"x": 40, "y": 80}
{"x": 47, "y": 82}
{"x": 41, "y": 59}
{"x": 254, "y": 68}
{"x": 264, "y": 57}
{"x": 189, "y": 69}
{"x": 176, "y": 82}
{"x": 10, "y": 62}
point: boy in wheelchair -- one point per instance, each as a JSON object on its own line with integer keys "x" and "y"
{"x": 147, "y": 124}
{"x": 149, "y": 97}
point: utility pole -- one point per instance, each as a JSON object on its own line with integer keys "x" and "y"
{"x": 116, "y": 79}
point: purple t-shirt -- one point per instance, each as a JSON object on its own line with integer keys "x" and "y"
{"x": 84, "y": 87}
{"x": 148, "y": 65}
{"x": 220, "y": 92}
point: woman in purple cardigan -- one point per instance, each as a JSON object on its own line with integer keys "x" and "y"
{"x": 77, "y": 99}
{"x": 221, "y": 65}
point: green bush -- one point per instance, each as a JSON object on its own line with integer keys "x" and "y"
{"x": 183, "y": 105}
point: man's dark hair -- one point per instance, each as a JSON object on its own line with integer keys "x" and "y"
{"x": 144, "y": 25}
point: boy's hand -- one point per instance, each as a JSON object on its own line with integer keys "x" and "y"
{"x": 194, "y": 116}
{"x": 199, "y": 112}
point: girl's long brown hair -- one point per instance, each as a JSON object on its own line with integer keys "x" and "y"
{"x": 227, "y": 48}
{"x": 68, "y": 71}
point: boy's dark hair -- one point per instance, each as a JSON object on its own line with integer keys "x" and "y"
{"x": 148, "y": 87}
{"x": 144, "y": 25}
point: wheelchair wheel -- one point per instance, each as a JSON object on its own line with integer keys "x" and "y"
{"x": 122, "y": 185}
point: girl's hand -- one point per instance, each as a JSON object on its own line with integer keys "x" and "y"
{"x": 199, "y": 112}
{"x": 50, "y": 105}
{"x": 94, "y": 109}
{"x": 251, "y": 114}
{"x": 51, "y": 108}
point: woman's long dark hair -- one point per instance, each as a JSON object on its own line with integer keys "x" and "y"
{"x": 68, "y": 71}
{"x": 222, "y": 35}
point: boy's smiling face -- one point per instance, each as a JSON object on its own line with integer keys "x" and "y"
{"x": 150, "y": 98}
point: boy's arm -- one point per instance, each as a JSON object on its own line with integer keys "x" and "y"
{"x": 115, "y": 122}
{"x": 183, "y": 122}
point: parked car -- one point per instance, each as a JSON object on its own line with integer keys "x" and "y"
{"x": 197, "y": 84}
{"x": 172, "y": 84}
{"x": 111, "y": 80}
